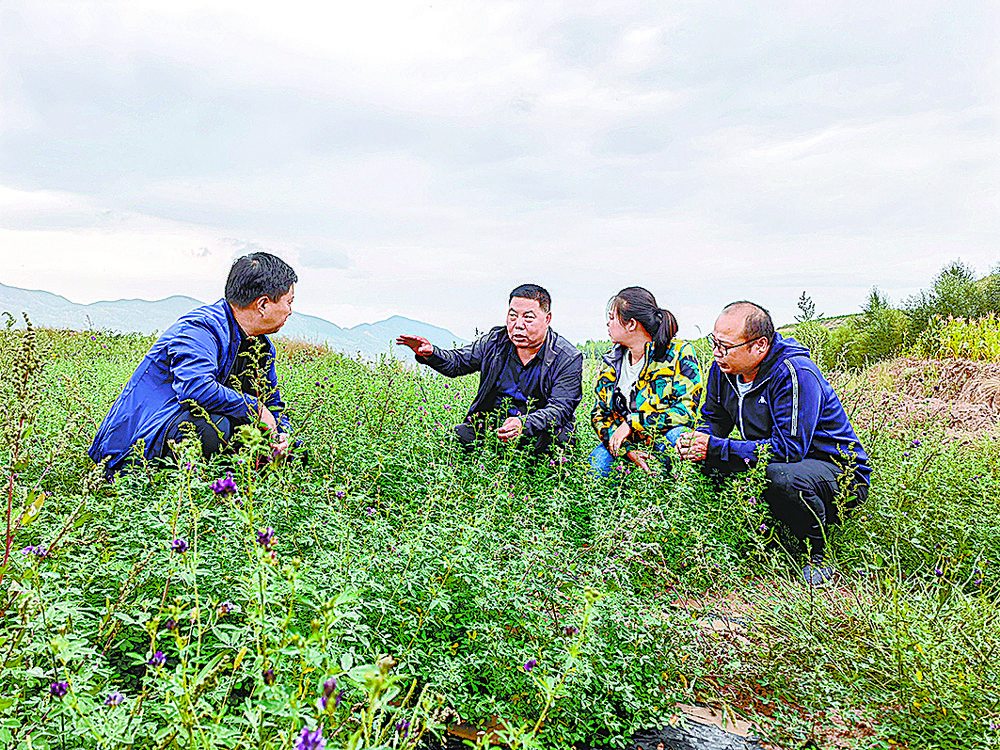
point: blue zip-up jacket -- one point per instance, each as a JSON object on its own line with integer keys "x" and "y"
{"x": 192, "y": 359}
{"x": 791, "y": 408}
{"x": 561, "y": 377}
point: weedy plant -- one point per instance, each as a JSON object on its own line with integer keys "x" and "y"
{"x": 394, "y": 586}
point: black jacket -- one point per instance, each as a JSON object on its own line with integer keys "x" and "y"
{"x": 561, "y": 379}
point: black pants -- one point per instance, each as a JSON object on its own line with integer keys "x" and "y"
{"x": 211, "y": 440}
{"x": 801, "y": 495}
{"x": 470, "y": 435}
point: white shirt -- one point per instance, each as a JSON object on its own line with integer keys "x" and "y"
{"x": 628, "y": 376}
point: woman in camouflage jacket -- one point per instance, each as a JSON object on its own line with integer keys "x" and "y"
{"x": 649, "y": 388}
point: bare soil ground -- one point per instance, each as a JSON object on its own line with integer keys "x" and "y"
{"x": 960, "y": 395}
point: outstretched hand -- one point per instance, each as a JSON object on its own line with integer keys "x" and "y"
{"x": 420, "y": 346}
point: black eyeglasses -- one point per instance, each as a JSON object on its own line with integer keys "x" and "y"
{"x": 718, "y": 346}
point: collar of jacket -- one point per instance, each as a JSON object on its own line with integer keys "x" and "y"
{"x": 614, "y": 357}
{"x": 237, "y": 333}
{"x": 781, "y": 349}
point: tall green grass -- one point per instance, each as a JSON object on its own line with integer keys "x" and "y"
{"x": 432, "y": 586}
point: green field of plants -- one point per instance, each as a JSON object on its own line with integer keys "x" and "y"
{"x": 393, "y": 586}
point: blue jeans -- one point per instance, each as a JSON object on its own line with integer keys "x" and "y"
{"x": 600, "y": 459}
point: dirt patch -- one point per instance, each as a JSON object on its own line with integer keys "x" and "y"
{"x": 959, "y": 396}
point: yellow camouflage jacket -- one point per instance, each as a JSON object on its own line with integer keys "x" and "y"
{"x": 666, "y": 395}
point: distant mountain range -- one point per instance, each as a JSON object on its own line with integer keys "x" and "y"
{"x": 142, "y": 316}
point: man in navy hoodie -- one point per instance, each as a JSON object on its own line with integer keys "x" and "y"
{"x": 216, "y": 360}
{"x": 768, "y": 387}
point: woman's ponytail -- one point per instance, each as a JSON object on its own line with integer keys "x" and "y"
{"x": 636, "y": 303}
{"x": 664, "y": 333}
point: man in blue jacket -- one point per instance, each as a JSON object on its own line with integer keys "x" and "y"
{"x": 216, "y": 360}
{"x": 768, "y": 387}
{"x": 530, "y": 378}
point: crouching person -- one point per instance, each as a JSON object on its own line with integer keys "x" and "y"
{"x": 216, "y": 362}
{"x": 530, "y": 378}
{"x": 648, "y": 391}
{"x": 769, "y": 388}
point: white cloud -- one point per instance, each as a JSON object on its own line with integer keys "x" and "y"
{"x": 423, "y": 159}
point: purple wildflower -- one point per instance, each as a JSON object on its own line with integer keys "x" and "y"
{"x": 59, "y": 689}
{"x": 329, "y": 686}
{"x": 225, "y": 608}
{"x": 225, "y": 486}
{"x": 371, "y": 511}
{"x": 170, "y": 624}
{"x": 341, "y": 494}
{"x": 762, "y": 528}
{"x": 179, "y": 546}
{"x": 157, "y": 659}
{"x": 268, "y": 676}
{"x": 915, "y": 443}
{"x": 570, "y": 630}
{"x": 38, "y": 551}
{"x": 338, "y": 699}
{"x": 530, "y": 664}
{"x": 265, "y": 538}
{"x": 938, "y": 572}
{"x": 311, "y": 740}
{"x": 114, "y": 698}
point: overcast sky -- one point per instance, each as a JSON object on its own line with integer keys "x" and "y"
{"x": 421, "y": 159}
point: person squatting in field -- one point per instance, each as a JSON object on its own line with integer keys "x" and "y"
{"x": 648, "y": 389}
{"x": 769, "y": 388}
{"x": 216, "y": 359}
{"x": 530, "y": 377}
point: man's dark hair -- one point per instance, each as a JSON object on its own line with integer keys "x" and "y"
{"x": 758, "y": 323}
{"x": 533, "y": 291}
{"x": 258, "y": 275}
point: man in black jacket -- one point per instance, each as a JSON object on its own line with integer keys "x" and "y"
{"x": 530, "y": 378}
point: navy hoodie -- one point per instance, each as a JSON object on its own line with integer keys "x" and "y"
{"x": 791, "y": 408}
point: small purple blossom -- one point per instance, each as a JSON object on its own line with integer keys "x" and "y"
{"x": 530, "y": 664}
{"x": 59, "y": 689}
{"x": 265, "y": 538}
{"x": 762, "y": 528}
{"x": 915, "y": 443}
{"x": 341, "y": 494}
{"x": 311, "y": 740}
{"x": 268, "y": 676}
{"x": 329, "y": 687}
{"x": 370, "y": 511}
{"x": 225, "y": 608}
{"x": 938, "y": 572}
{"x": 36, "y": 550}
{"x": 338, "y": 699}
{"x": 225, "y": 486}
{"x": 157, "y": 660}
{"x": 179, "y": 546}
{"x": 170, "y": 624}
{"x": 115, "y": 698}
{"x": 570, "y": 630}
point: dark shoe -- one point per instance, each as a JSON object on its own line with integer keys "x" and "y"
{"x": 818, "y": 572}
